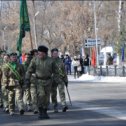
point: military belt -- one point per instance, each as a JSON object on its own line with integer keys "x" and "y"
{"x": 44, "y": 78}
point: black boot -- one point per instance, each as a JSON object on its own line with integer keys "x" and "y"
{"x": 56, "y": 108}
{"x": 45, "y": 115}
{"x": 22, "y": 112}
{"x": 1, "y": 106}
{"x": 40, "y": 113}
{"x": 64, "y": 109}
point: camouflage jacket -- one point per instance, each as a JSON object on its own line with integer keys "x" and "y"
{"x": 8, "y": 76}
{"x": 33, "y": 77}
{"x": 1, "y": 65}
{"x": 0, "y": 75}
{"x": 60, "y": 72}
{"x": 1, "y": 61}
{"x": 43, "y": 68}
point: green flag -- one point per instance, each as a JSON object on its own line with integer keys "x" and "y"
{"x": 24, "y": 24}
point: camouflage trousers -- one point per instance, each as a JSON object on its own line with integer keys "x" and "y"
{"x": 4, "y": 96}
{"x": 1, "y": 103}
{"x": 60, "y": 85}
{"x": 31, "y": 96}
{"x": 27, "y": 96}
{"x": 15, "y": 96}
{"x": 43, "y": 93}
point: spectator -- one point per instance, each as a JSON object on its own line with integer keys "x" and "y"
{"x": 67, "y": 62}
{"x": 81, "y": 65}
{"x": 63, "y": 59}
{"x": 109, "y": 59}
{"x": 75, "y": 64}
{"x": 86, "y": 64}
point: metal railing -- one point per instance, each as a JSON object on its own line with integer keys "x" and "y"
{"x": 113, "y": 70}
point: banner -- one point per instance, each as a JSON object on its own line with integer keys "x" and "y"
{"x": 24, "y": 24}
{"x": 93, "y": 57}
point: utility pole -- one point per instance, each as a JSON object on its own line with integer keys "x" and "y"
{"x": 95, "y": 28}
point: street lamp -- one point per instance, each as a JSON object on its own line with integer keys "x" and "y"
{"x": 36, "y": 13}
{"x": 34, "y": 20}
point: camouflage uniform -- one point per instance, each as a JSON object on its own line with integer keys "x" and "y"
{"x": 43, "y": 69}
{"x": 59, "y": 80}
{"x": 27, "y": 96}
{"x": 31, "y": 92}
{"x": 0, "y": 87}
{"x": 1, "y": 63}
{"x": 14, "y": 86}
{"x": 4, "y": 92}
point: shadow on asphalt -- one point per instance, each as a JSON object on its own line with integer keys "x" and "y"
{"x": 75, "y": 116}
{"x": 109, "y": 103}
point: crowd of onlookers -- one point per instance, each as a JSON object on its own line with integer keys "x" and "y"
{"x": 77, "y": 64}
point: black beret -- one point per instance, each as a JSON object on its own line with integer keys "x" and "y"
{"x": 33, "y": 51}
{"x": 43, "y": 49}
{"x": 54, "y": 49}
{"x": 13, "y": 54}
{"x": 3, "y": 52}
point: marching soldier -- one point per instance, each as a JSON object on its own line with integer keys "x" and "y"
{"x": 3, "y": 87}
{"x": 27, "y": 96}
{"x": 43, "y": 67}
{"x": 31, "y": 92}
{"x": 2, "y": 53}
{"x": 1, "y": 104}
{"x": 60, "y": 80}
{"x": 13, "y": 75}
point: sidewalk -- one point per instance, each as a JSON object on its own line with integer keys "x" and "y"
{"x": 103, "y": 79}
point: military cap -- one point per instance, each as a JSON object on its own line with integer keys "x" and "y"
{"x": 13, "y": 54}
{"x": 43, "y": 48}
{"x": 54, "y": 49}
{"x": 33, "y": 51}
{"x": 3, "y": 51}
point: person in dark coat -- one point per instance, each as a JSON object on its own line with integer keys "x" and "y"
{"x": 67, "y": 63}
{"x": 86, "y": 64}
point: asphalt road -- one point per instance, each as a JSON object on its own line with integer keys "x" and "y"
{"x": 93, "y": 104}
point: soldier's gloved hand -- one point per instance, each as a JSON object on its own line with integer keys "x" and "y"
{"x": 7, "y": 87}
{"x": 27, "y": 83}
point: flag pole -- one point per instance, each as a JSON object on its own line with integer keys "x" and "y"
{"x": 30, "y": 36}
{"x": 31, "y": 39}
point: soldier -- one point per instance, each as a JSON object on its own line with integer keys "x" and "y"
{"x": 13, "y": 74}
{"x": 60, "y": 80}
{"x": 2, "y": 53}
{"x": 27, "y": 96}
{"x": 3, "y": 87}
{"x": 31, "y": 92}
{"x": 43, "y": 67}
{"x": 1, "y": 104}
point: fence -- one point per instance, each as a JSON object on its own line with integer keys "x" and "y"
{"x": 113, "y": 70}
